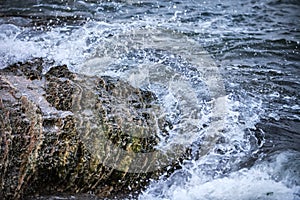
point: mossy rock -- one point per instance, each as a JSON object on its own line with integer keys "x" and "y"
{"x": 63, "y": 132}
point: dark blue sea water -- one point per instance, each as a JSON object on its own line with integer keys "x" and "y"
{"x": 235, "y": 63}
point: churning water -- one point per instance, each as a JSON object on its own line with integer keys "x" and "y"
{"x": 226, "y": 73}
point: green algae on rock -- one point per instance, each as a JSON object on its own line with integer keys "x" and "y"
{"x": 63, "y": 132}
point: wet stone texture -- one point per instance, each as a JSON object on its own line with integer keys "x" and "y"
{"x": 51, "y": 124}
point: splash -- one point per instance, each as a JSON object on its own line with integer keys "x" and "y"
{"x": 177, "y": 69}
{"x": 181, "y": 74}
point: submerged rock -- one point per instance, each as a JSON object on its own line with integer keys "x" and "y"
{"x": 63, "y": 132}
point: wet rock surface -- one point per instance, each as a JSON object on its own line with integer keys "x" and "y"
{"x": 62, "y": 132}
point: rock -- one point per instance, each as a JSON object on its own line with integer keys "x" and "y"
{"x": 63, "y": 132}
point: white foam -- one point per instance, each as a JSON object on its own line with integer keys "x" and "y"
{"x": 273, "y": 180}
{"x": 64, "y": 45}
{"x": 216, "y": 176}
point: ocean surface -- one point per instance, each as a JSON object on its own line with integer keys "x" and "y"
{"x": 226, "y": 72}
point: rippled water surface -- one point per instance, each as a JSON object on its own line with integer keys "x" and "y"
{"x": 226, "y": 72}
